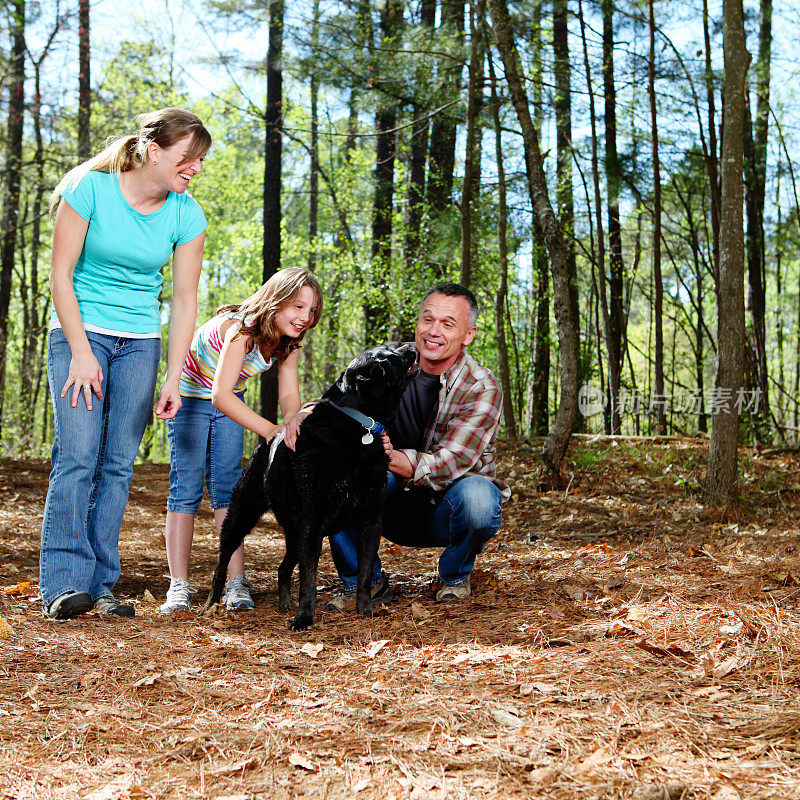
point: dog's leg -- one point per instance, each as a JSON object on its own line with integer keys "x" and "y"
{"x": 285, "y": 570}
{"x": 248, "y": 503}
{"x": 369, "y": 537}
{"x": 308, "y": 558}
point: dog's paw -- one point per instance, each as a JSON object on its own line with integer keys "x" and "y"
{"x": 302, "y": 622}
{"x": 363, "y": 606}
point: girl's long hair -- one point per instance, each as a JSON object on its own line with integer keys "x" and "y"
{"x": 258, "y": 311}
{"x": 165, "y": 127}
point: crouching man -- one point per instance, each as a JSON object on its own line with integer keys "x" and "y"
{"x": 442, "y": 490}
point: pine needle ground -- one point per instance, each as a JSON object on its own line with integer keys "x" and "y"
{"x": 622, "y": 641}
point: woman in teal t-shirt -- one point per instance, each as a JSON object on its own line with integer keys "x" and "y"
{"x": 121, "y": 215}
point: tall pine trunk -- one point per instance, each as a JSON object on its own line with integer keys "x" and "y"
{"x": 471, "y": 168}
{"x": 613, "y": 182}
{"x": 502, "y": 246}
{"x": 722, "y": 457}
{"x": 755, "y": 160}
{"x": 558, "y": 440}
{"x": 538, "y": 413}
{"x": 563, "y": 108}
{"x": 12, "y": 178}
{"x": 443, "y": 133}
{"x": 376, "y": 298}
{"x": 418, "y": 150}
{"x": 712, "y": 156}
{"x": 661, "y": 412}
{"x": 84, "y": 86}
{"x": 598, "y": 210}
{"x": 273, "y": 144}
{"x": 313, "y": 192}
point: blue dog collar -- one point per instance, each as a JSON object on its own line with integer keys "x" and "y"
{"x": 370, "y": 425}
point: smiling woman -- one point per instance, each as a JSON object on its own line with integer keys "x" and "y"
{"x": 121, "y": 215}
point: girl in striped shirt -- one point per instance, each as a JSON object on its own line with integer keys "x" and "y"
{"x": 206, "y": 437}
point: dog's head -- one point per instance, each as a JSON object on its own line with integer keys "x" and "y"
{"x": 375, "y": 380}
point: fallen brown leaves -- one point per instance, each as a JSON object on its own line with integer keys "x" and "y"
{"x": 622, "y": 641}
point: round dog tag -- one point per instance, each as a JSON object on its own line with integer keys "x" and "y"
{"x": 367, "y": 438}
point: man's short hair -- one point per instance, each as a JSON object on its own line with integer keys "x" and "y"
{"x": 457, "y": 290}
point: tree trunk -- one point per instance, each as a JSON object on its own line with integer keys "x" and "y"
{"x": 539, "y": 397}
{"x": 13, "y": 176}
{"x": 661, "y": 412}
{"x": 443, "y": 133}
{"x": 475, "y": 74}
{"x": 273, "y": 143}
{"x": 84, "y": 86}
{"x": 376, "y": 301}
{"x": 313, "y": 193}
{"x": 712, "y": 159}
{"x": 613, "y": 182}
{"x": 779, "y": 298}
{"x": 418, "y": 152}
{"x": 558, "y": 440}
{"x": 697, "y": 300}
{"x": 722, "y": 458}
{"x": 502, "y": 245}
{"x": 333, "y": 304}
{"x": 313, "y": 189}
{"x": 563, "y": 108}
{"x": 755, "y": 158}
{"x": 34, "y": 316}
{"x": 598, "y": 209}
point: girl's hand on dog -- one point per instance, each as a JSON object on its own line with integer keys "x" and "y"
{"x": 293, "y": 428}
{"x": 85, "y": 374}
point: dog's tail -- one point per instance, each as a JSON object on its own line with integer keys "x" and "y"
{"x": 248, "y": 503}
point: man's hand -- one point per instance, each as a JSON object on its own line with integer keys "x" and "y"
{"x": 293, "y": 428}
{"x": 398, "y": 460}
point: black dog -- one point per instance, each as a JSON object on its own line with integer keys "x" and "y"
{"x": 335, "y": 477}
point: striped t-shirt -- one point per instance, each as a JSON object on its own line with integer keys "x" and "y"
{"x": 201, "y": 363}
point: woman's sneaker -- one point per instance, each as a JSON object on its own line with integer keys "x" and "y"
{"x": 179, "y": 596}
{"x": 237, "y": 595}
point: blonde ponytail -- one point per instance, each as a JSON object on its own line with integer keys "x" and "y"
{"x": 165, "y": 127}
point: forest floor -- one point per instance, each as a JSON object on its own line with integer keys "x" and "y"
{"x": 622, "y": 641}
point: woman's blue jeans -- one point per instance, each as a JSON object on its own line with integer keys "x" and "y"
{"x": 461, "y": 519}
{"x": 92, "y": 463}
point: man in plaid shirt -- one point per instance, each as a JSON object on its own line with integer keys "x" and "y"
{"x": 442, "y": 490}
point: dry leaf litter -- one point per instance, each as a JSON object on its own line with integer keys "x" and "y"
{"x": 622, "y": 641}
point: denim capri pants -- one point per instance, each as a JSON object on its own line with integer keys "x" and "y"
{"x": 205, "y": 446}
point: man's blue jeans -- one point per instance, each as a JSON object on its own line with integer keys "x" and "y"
{"x": 462, "y": 519}
{"x": 92, "y": 463}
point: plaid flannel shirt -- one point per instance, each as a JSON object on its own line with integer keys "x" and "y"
{"x": 460, "y": 438}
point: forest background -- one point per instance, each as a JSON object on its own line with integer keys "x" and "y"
{"x": 387, "y": 146}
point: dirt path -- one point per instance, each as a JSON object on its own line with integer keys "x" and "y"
{"x": 621, "y": 642}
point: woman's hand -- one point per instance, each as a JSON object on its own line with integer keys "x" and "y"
{"x": 85, "y": 374}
